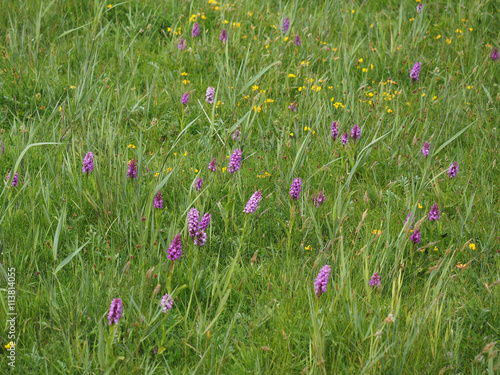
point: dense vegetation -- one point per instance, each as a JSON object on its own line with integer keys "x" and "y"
{"x": 127, "y": 81}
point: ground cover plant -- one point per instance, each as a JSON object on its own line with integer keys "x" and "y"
{"x": 286, "y": 187}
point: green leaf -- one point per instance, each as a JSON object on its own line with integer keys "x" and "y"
{"x": 69, "y": 257}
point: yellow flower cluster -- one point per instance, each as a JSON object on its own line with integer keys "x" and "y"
{"x": 266, "y": 174}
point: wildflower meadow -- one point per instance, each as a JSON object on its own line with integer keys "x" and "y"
{"x": 249, "y": 187}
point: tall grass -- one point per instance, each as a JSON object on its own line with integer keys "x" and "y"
{"x": 108, "y": 78}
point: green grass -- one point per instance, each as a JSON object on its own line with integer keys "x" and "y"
{"x": 79, "y": 76}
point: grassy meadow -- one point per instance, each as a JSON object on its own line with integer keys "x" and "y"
{"x": 127, "y": 81}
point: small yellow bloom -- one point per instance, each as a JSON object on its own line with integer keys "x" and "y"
{"x": 423, "y": 94}
{"x": 371, "y": 25}
{"x": 157, "y": 174}
{"x": 419, "y": 205}
{"x": 226, "y": 21}
{"x": 470, "y": 29}
{"x": 472, "y": 246}
{"x": 291, "y": 75}
{"x": 308, "y": 247}
{"x": 360, "y": 60}
{"x": 434, "y": 97}
{"x": 131, "y": 146}
{"x": 439, "y": 36}
{"x": 224, "y": 169}
{"x": 184, "y": 74}
{"x": 195, "y": 170}
{"x": 255, "y": 88}
{"x": 353, "y": 11}
{"x": 286, "y": 38}
{"x": 376, "y": 231}
{"x": 448, "y": 41}
{"x": 365, "y": 70}
{"x": 436, "y": 248}
{"x": 110, "y": 6}
{"x": 185, "y": 153}
{"x": 291, "y": 134}
{"x": 169, "y": 169}
{"x": 389, "y": 110}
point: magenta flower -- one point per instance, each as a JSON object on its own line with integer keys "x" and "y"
{"x": 345, "y": 138}
{"x": 335, "y": 130}
{"x": 322, "y": 281}
{"x": 209, "y": 96}
{"x": 166, "y": 303}
{"x": 115, "y": 311}
{"x": 408, "y": 217}
{"x": 293, "y": 107}
{"x": 212, "y": 165}
{"x": 355, "y": 132}
{"x": 297, "y": 40}
{"x": 494, "y": 54}
{"x": 295, "y": 188}
{"x": 319, "y": 198}
{"x": 415, "y": 71}
{"x": 158, "y": 200}
{"x": 419, "y": 7}
{"x": 182, "y": 44}
{"x": 185, "y": 98}
{"x": 236, "y": 134}
{"x": 132, "y": 169}
{"x": 201, "y": 238}
{"x": 425, "y": 149}
{"x": 175, "y": 249}
{"x": 88, "y": 163}
{"x": 223, "y": 36}
{"x": 375, "y": 280}
{"x": 205, "y": 221}
{"x": 196, "y": 30}
{"x": 14, "y": 179}
{"x": 235, "y": 161}
{"x": 453, "y": 170}
{"x": 198, "y": 183}
{"x": 415, "y": 236}
{"x": 286, "y": 25}
{"x": 434, "y": 213}
{"x": 253, "y": 202}
{"x": 193, "y": 222}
